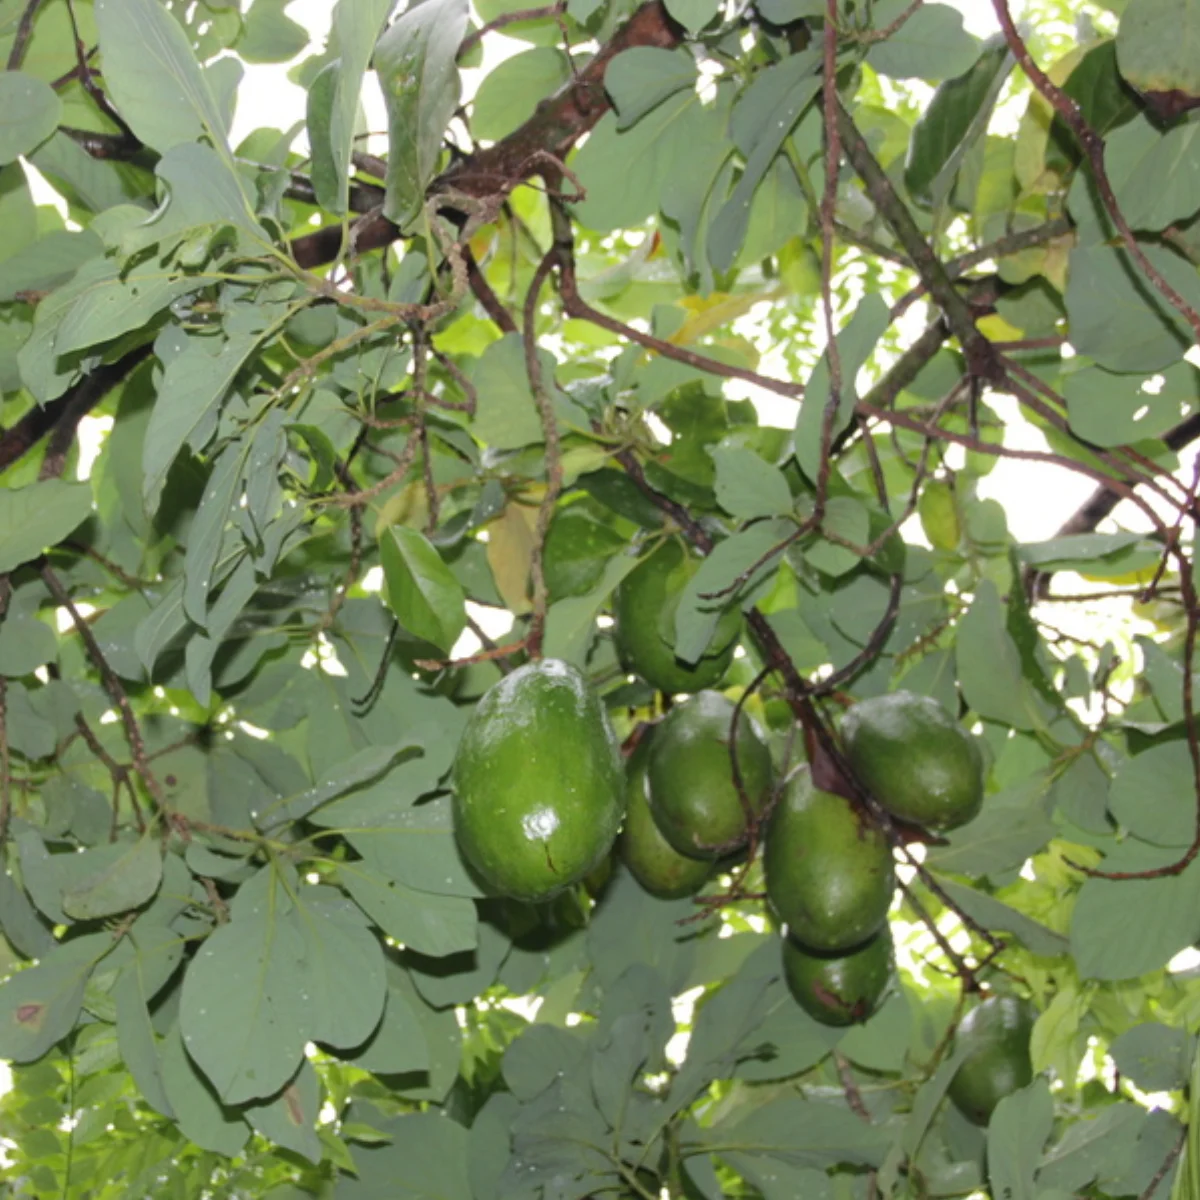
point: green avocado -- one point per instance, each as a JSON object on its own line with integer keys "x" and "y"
{"x": 829, "y": 870}
{"x": 538, "y": 785}
{"x": 644, "y": 624}
{"x": 840, "y": 989}
{"x": 996, "y": 1035}
{"x": 652, "y": 860}
{"x": 693, "y": 798}
{"x": 918, "y": 762}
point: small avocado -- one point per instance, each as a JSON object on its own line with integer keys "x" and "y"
{"x": 840, "y": 989}
{"x": 693, "y": 798}
{"x": 653, "y": 861}
{"x": 538, "y": 785}
{"x": 915, "y": 759}
{"x": 996, "y": 1034}
{"x": 829, "y": 870}
{"x": 644, "y": 624}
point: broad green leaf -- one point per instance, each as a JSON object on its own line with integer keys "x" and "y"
{"x": 1154, "y": 795}
{"x": 749, "y": 487}
{"x": 1158, "y": 46}
{"x": 640, "y": 79}
{"x": 1121, "y": 929}
{"x": 207, "y": 531}
{"x": 25, "y": 644}
{"x": 426, "y": 1160}
{"x": 1117, "y": 317}
{"x": 709, "y": 592}
{"x": 38, "y": 516}
{"x": 1155, "y": 175}
{"x": 41, "y": 1004}
{"x": 626, "y": 175}
{"x": 506, "y": 417}
{"x": 202, "y": 1118}
{"x": 774, "y": 103}
{"x": 31, "y": 110}
{"x": 1017, "y": 1132}
{"x": 999, "y": 917}
{"x": 357, "y": 24}
{"x": 855, "y": 342}
{"x": 415, "y": 60}
{"x": 578, "y": 549}
{"x": 290, "y": 1119}
{"x": 136, "y": 1037}
{"x": 152, "y": 76}
{"x": 269, "y": 35}
{"x": 953, "y": 119}
{"x": 931, "y": 44}
{"x": 509, "y": 94}
{"x": 429, "y": 924}
{"x": 1076, "y": 548}
{"x": 420, "y": 589}
{"x": 245, "y": 1013}
{"x": 989, "y": 666}
{"x": 693, "y": 15}
{"x": 399, "y": 1041}
{"x": 1087, "y": 1147}
{"x": 1108, "y": 409}
{"x": 570, "y": 623}
{"x": 1156, "y": 1057}
{"x": 127, "y": 877}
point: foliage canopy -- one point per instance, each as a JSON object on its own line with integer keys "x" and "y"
{"x": 352, "y": 402}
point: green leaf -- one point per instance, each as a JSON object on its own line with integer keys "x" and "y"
{"x": 429, "y": 924}
{"x": 357, "y": 24}
{"x": 38, "y": 516}
{"x": 1108, "y": 409}
{"x": 415, "y": 60}
{"x": 1158, "y": 46}
{"x": 398, "y": 1043}
{"x": 693, "y": 15}
{"x": 1117, "y": 318}
{"x": 152, "y": 76}
{"x": 1076, "y": 548}
{"x": 1155, "y": 175}
{"x": 136, "y": 1037}
{"x": 244, "y": 1014}
{"x": 506, "y": 417}
{"x": 955, "y": 117}
{"x": 269, "y": 35}
{"x": 989, "y": 665}
{"x": 420, "y": 589}
{"x": 128, "y": 878}
{"x": 1017, "y": 1132}
{"x": 509, "y": 94}
{"x": 208, "y": 531}
{"x": 1012, "y": 826}
{"x": 696, "y": 618}
{"x": 290, "y": 1119}
{"x": 626, "y": 175}
{"x": 1157, "y": 1058}
{"x": 41, "y": 1004}
{"x": 570, "y": 623}
{"x": 25, "y": 644}
{"x": 749, "y": 487}
{"x": 855, "y": 344}
{"x": 1122, "y": 928}
{"x": 640, "y": 79}
{"x": 1154, "y": 795}
{"x": 931, "y": 44}
{"x": 202, "y": 1118}
{"x": 426, "y": 1160}
{"x": 31, "y": 110}
{"x": 999, "y": 917}
{"x": 767, "y": 112}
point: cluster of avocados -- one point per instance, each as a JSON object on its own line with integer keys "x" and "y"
{"x": 541, "y": 794}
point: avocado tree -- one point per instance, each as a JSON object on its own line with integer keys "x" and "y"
{"x": 638, "y": 403}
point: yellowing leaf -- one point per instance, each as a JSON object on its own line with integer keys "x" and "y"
{"x": 509, "y": 553}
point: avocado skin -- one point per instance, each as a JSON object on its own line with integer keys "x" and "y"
{"x": 692, "y": 794}
{"x": 840, "y": 989}
{"x": 996, "y": 1033}
{"x": 538, "y": 786}
{"x": 829, "y": 870}
{"x": 638, "y": 610}
{"x": 653, "y": 861}
{"x": 915, "y": 759}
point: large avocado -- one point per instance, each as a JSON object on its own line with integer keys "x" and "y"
{"x": 829, "y": 870}
{"x": 644, "y": 624}
{"x": 918, "y": 762}
{"x": 692, "y": 793}
{"x": 651, "y": 859}
{"x": 840, "y": 989}
{"x": 996, "y": 1036}
{"x": 538, "y": 786}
